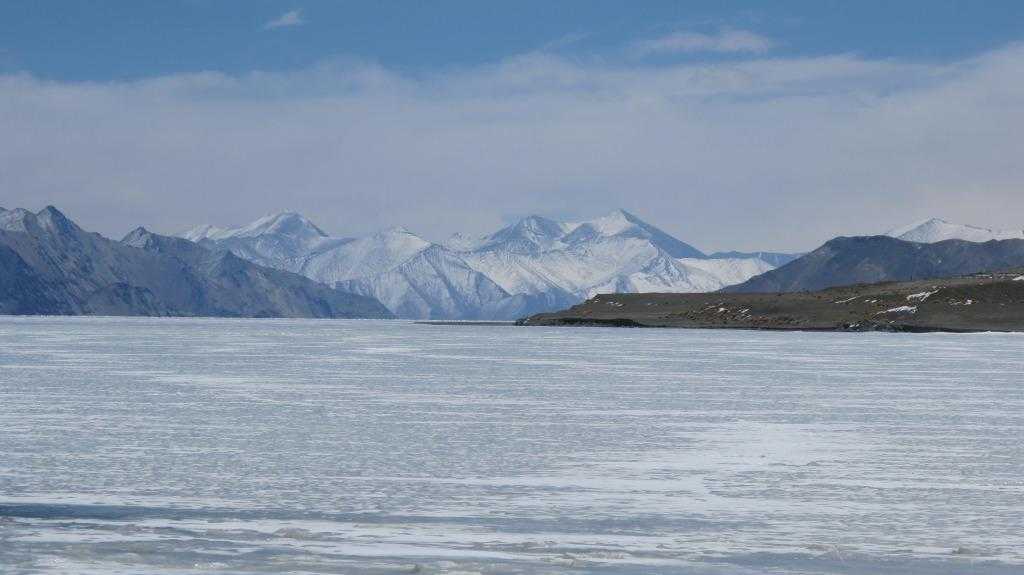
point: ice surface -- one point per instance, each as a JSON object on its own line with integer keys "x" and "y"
{"x": 252, "y": 446}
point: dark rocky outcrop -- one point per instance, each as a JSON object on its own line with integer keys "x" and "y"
{"x": 856, "y": 260}
{"x": 982, "y": 302}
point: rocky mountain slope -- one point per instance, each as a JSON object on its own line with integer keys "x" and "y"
{"x": 49, "y": 265}
{"x": 868, "y": 259}
{"x": 984, "y": 302}
{"x": 533, "y": 265}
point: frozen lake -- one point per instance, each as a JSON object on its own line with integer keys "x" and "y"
{"x": 252, "y": 446}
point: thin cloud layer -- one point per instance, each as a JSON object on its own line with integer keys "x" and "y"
{"x": 725, "y": 41}
{"x": 286, "y": 20}
{"x": 753, "y": 154}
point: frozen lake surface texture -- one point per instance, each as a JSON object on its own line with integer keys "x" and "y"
{"x": 252, "y": 446}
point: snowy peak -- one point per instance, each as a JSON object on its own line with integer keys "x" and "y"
{"x": 283, "y": 240}
{"x": 137, "y": 238}
{"x": 614, "y": 224}
{"x": 529, "y": 234}
{"x": 48, "y": 220}
{"x": 396, "y": 241}
{"x": 535, "y": 234}
{"x": 144, "y": 239}
{"x": 937, "y": 230}
{"x": 606, "y": 226}
{"x": 15, "y": 220}
{"x": 622, "y": 224}
{"x": 287, "y": 224}
{"x": 532, "y": 228}
{"x": 52, "y": 220}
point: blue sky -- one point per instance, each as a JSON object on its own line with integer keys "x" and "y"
{"x": 732, "y": 125}
{"x": 119, "y": 39}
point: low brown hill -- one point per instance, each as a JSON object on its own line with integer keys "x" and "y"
{"x": 981, "y": 302}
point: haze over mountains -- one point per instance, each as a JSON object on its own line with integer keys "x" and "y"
{"x": 535, "y": 264}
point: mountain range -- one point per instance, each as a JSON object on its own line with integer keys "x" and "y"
{"x": 49, "y": 265}
{"x": 535, "y": 264}
{"x": 283, "y": 265}
{"x": 933, "y": 248}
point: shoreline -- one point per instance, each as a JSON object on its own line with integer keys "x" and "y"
{"x": 466, "y": 322}
{"x": 990, "y": 302}
{"x": 628, "y": 323}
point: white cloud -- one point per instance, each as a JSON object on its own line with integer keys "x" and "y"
{"x": 760, "y": 153}
{"x": 286, "y": 20}
{"x": 725, "y": 41}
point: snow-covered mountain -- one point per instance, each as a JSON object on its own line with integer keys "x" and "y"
{"x": 49, "y": 265}
{"x": 617, "y": 252}
{"x": 535, "y": 264}
{"x": 283, "y": 240}
{"x": 936, "y": 230}
{"x": 408, "y": 274}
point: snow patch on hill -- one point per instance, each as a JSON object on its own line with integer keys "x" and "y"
{"x": 937, "y": 230}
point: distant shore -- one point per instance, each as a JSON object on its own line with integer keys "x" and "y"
{"x": 977, "y": 303}
{"x": 464, "y": 322}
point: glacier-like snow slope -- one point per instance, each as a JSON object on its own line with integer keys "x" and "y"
{"x": 285, "y": 240}
{"x": 434, "y": 283}
{"x": 936, "y": 230}
{"x": 534, "y": 265}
